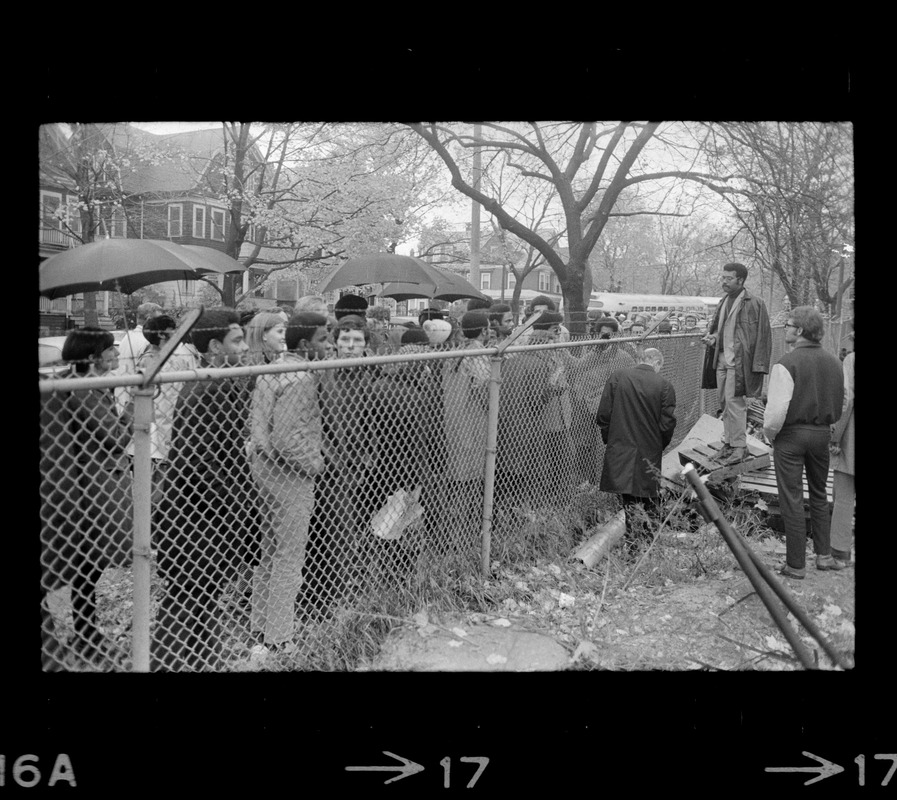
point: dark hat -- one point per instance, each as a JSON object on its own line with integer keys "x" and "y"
{"x": 608, "y": 322}
{"x": 665, "y": 327}
{"x": 542, "y": 300}
{"x": 548, "y": 319}
{"x": 415, "y": 336}
{"x": 350, "y": 320}
{"x": 350, "y": 304}
{"x": 474, "y": 321}
{"x": 430, "y": 313}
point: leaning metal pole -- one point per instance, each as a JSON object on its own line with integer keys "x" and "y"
{"x": 711, "y": 513}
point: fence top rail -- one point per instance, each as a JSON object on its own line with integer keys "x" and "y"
{"x": 50, "y": 385}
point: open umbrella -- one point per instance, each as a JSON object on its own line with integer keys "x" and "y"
{"x": 450, "y": 287}
{"x": 219, "y": 262}
{"x": 381, "y": 268}
{"x": 122, "y": 265}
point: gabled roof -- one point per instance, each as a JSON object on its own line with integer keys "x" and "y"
{"x": 172, "y": 175}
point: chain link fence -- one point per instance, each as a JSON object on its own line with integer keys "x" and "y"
{"x": 284, "y": 516}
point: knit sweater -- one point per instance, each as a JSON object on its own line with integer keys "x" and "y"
{"x": 805, "y": 388}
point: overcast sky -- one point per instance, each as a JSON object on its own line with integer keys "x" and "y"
{"x": 174, "y": 127}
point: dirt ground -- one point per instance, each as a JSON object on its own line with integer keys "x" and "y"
{"x": 713, "y": 623}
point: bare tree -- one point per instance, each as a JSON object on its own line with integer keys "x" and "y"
{"x": 793, "y": 201}
{"x": 588, "y": 165}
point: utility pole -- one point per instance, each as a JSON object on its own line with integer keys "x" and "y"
{"x": 475, "y": 212}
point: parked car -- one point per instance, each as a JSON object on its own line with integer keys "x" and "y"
{"x": 395, "y": 322}
{"x": 49, "y": 356}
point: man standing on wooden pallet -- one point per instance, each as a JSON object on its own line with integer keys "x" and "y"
{"x": 806, "y": 394}
{"x": 739, "y": 346}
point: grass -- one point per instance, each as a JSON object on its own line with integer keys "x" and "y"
{"x": 530, "y": 566}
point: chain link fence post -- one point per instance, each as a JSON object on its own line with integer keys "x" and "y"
{"x": 495, "y": 364}
{"x": 143, "y": 474}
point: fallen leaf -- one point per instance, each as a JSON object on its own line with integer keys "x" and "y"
{"x": 621, "y": 632}
{"x": 495, "y": 658}
{"x": 502, "y": 623}
{"x": 455, "y": 643}
{"x": 566, "y": 600}
{"x": 554, "y": 569}
{"x": 459, "y": 631}
{"x": 421, "y": 619}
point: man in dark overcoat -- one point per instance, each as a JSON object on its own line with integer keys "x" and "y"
{"x": 636, "y": 417}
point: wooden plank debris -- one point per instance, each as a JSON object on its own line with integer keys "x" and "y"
{"x": 755, "y": 474}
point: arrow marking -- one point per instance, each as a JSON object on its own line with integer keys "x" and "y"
{"x": 827, "y": 769}
{"x": 407, "y": 768}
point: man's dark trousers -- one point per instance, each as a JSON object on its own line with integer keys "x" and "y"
{"x": 798, "y": 448}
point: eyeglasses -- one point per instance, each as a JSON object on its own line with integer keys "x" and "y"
{"x": 792, "y": 325}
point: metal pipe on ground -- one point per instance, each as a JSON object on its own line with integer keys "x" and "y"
{"x": 599, "y": 545}
{"x": 710, "y": 511}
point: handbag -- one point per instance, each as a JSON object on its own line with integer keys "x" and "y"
{"x": 401, "y": 512}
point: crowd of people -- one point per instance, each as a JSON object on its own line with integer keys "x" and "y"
{"x": 271, "y": 482}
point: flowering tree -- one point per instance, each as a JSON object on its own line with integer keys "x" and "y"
{"x": 300, "y": 195}
{"x": 98, "y": 165}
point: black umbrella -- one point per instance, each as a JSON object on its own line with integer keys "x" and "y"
{"x": 382, "y": 268}
{"x": 125, "y": 265}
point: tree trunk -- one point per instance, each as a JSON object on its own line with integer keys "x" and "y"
{"x": 576, "y": 289}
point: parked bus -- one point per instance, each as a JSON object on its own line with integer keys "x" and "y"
{"x": 651, "y": 303}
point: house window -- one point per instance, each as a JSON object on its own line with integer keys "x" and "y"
{"x": 512, "y": 280}
{"x": 543, "y": 282}
{"x": 217, "y": 217}
{"x": 199, "y": 222}
{"x": 485, "y": 280}
{"x": 49, "y": 202}
{"x": 175, "y": 221}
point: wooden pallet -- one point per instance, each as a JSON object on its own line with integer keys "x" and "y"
{"x": 701, "y": 455}
{"x": 764, "y": 482}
